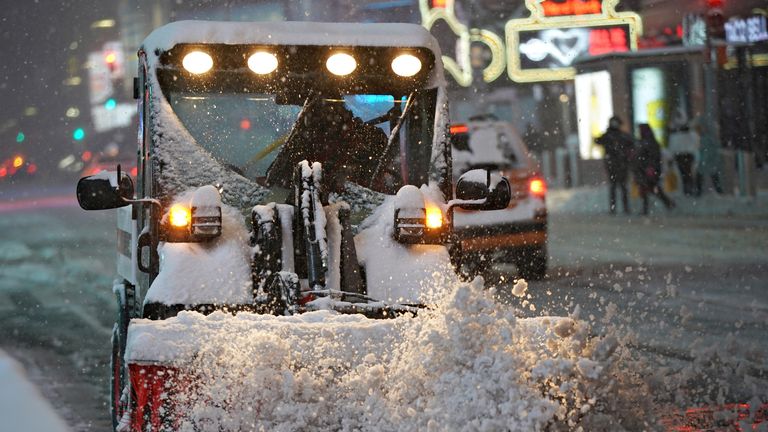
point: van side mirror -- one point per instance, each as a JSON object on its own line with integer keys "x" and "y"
{"x": 102, "y": 191}
{"x": 479, "y": 189}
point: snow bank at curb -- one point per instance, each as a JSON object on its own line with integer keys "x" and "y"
{"x": 469, "y": 364}
{"x": 22, "y": 408}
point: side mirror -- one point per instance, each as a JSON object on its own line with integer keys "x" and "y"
{"x": 102, "y": 191}
{"x": 479, "y": 189}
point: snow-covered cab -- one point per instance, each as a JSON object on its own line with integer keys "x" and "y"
{"x": 284, "y": 167}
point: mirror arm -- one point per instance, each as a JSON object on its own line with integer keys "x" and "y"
{"x": 460, "y": 202}
{"x": 150, "y": 201}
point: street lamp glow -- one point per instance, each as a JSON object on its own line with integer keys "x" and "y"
{"x": 197, "y": 62}
{"x": 406, "y": 65}
{"x": 262, "y": 62}
{"x": 341, "y": 64}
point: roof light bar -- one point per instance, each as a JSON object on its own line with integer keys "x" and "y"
{"x": 406, "y": 65}
{"x": 341, "y": 64}
{"x": 262, "y": 62}
{"x": 197, "y": 62}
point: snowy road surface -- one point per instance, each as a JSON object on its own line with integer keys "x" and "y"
{"x": 687, "y": 292}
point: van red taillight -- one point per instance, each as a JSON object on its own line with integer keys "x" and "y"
{"x": 459, "y": 128}
{"x": 154, "y": 390}
{"x": 537, "y": 187}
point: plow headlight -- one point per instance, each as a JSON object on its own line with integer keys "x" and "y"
{"x": 406, "y": 65}
{"x": 179, "y": 216}
{"x": 341, "y": 64}
{"x": 416, "y": 220}
{"x": 262, "y": 62}
{"x": 199, "y": 220}
{"x": 434, "y": 217}
{"x": 197, "y": 62}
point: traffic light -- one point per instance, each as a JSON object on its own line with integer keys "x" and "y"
{"x": 715, "y": 20}
{"x": 78, "y": 134}
{"x": 20, "y": 137}
{"x": 110, "y": 104}
{"x": 113, "y": 58}
{"x": 110, "y": 58}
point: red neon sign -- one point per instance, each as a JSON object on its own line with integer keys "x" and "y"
{"x": 553, "y": 8}
{"x": 607, "y": 40}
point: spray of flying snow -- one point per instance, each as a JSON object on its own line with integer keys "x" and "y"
{"x": 520, "y": 288}
{"x": 467, "y": 364}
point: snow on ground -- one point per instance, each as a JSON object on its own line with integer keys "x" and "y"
{"x": 469, "y": 364}
{"x": 594, "y": 200}
{"x": 22, "y": 407}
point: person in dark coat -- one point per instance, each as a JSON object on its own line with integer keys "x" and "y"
{"x": 647, "y": 168}
{"x": 618, "y": 147}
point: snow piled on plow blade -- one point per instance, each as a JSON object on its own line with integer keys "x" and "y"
{"x": 467, "y": 364}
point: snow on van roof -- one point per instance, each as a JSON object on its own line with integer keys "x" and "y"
{"x": 291, "y": 33}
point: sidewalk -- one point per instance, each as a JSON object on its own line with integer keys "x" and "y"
{"x": 594, "y": 200}
{"x": 22, "y": 407}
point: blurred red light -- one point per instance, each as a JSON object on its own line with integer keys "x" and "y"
{"x": 245, "y": 124}
{"x": 134, "y": 172}
{"x": 3, "y": 172}
{"x": 460, "y": 128}
{"x": 715, "y": 4}
{"x": 438, "y": 4}
{"x": 31, "y": 169}
{"x": 87, "y": 155}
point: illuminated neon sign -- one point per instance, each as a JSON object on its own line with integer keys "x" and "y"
{"x": 541, "y": 47}
{"x": 460, "y": 67}
{"x": 552, "y": 8}
{"x": 557, "y": 48}
{"x": 544, "y": 46}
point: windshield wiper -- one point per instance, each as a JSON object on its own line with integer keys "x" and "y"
{"x": 288, "y": 143}
{"x": 392, "y": 137}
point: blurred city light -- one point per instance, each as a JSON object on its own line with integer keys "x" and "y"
{"x": 78, "y": 134}
{"x": 20, "y": 137}
{"x": 104, "y": 23}
{"x": 110, "y": 104}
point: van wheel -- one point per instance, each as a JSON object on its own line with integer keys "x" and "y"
{"x": 532, "y": 263}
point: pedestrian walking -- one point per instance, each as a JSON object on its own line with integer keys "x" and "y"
{"x": 618, "y": 146}
{"x": 647, "y": 168}
{"x": 709, "y": 161}
{"x": 684, "y": 145}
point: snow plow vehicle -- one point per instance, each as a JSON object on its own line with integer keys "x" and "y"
{"x": 282, "y": 168}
